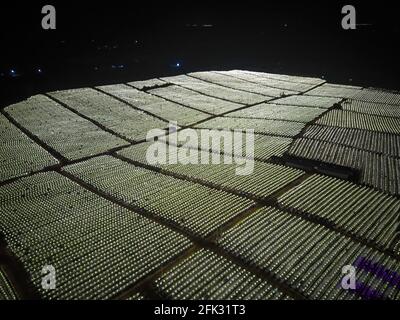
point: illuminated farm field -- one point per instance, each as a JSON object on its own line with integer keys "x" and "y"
{"x": 80, "y": 198}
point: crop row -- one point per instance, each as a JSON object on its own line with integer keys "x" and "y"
{"x": 239, "y": 84}
{"x": 373, "y": 108}
{"x": 96, "y": 247}
{"x": 280, "y": 112}
{"x": 290, "y": 87}
{"x": 305, "y": 256}
{"x": 363, "y": 211}
{"x": 195, "y": 100}
{"x": 277, "y": 127}
{"x": 373, "y": 141}
{"x": 194, "y": 207}
{"x": 155, "y": 105}
{"x": 19, "y": 154}
{"x": 309, "y": 101}
{"x": 264, "y": 146}
{"x": 207, "y": 276}
{"x": 379, "y": 171}
{"x": 109, "y": 112}
{"x": 378, "y": 96}
{"x": 6, "y": 290}
{"x": 334, "y": 90}
{"x": 61, "y": 129}
{"x": 346, "y": 119}
{"x": 261, "y": 180}
{"x": 281, "y": 77}
{"x": 215, "y": 90}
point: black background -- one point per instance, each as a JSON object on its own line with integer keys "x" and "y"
{"x": 109, "y": 42}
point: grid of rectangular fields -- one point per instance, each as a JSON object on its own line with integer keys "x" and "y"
{"x": 379, "y": 171}
{"x": 207, "y": 276}
{"x": 64, "y": 131}
{"x": 281, "y": 77}
{"x": 147, "y": 84}
{"x": 373, "y": 108}
{"x": 259, "y": 179}
{"x": 109, "y": 112}
{"x": 215, "y": 90}
{"x": 155, "y": 105}
{"x": 309, "y": 101}
{"x": 96, "y": 247}
{"x": 335, "y": 90}
{"x": 202, "y": 212}
{"x": 305, "y": 256}
{"x": 239, "y": 84}
{"x": 290, "y": 87}
{"x": 363, "y": 211}
{"x": 191, "y": 206}
{"x": 195, "y": 100}
{"x": 19, "y": 154}
{"x": 373, "y": 141}
{"x": 264, "y": 146}
{"x": 6, "y": 289}
{"x": 378, "y": 96}
{"x": 262, "y": 126}
{"x": 346, "y": 119}
{"x": 279, "y": 112}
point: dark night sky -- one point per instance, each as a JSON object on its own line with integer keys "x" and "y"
{"x": 98, "y": 43}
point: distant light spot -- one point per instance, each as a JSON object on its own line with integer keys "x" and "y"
{"x": 13, "y": 73}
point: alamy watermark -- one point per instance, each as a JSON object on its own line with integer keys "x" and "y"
{"x": 49, "y": 278}
{"x": 349, "y": 20}
{"x": 228, "y": 147}
{"x": 376, "y": 270}
{"x": 49, "y": 20}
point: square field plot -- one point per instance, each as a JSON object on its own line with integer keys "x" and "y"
{"x": 195, "y": 100}
{"x": 265, "y": 146}
{"x": 346, "y": 119}
{"x": 64, "y": 131}
{"x": 97, "y": 248}
{"x": 207, "y": 276}
{"x": 110, "y": 113}
{"x": 19, "y": 154}
{"x": 309, "y": 101}
{"x": 240, "y": 84}
{"x": 193, "y": 207}
{"x": 372, "y": 108}
{"x": 215, "y": 90}
{"x": 166, "y": 110}
{"x": 279, "y": 77}
{"x": 377, "y": 142}
{"x": 286, "y": 85}
{"x": 257, "y": 179}
{"x": 262, "y": 126}
{"x": 278, "y": 112}
{"x": 335, "y": 90}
